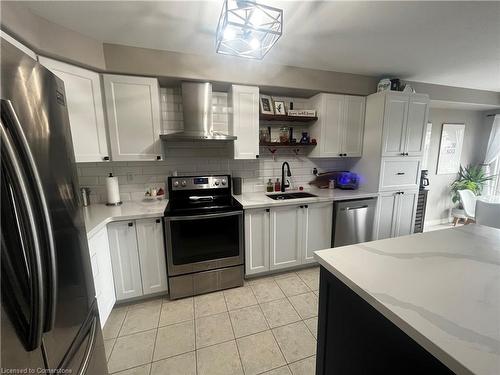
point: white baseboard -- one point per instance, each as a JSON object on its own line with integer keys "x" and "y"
{"x": 429, "y": 223}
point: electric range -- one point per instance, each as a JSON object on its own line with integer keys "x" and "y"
{"x": 203, "y": 235}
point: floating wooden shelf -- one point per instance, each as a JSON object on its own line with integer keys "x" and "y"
{"x": 281, "y": 144}
{"x": 286, "y": 118}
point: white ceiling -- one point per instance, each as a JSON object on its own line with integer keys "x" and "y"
{"x": 448, "y": 43}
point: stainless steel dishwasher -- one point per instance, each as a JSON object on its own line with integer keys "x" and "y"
{"x": 353, "y": 221}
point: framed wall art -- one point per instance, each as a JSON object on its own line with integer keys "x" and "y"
{"x": 450, "y": 148}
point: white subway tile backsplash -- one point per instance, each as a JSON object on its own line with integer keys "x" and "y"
{"x": 191, "y": 158}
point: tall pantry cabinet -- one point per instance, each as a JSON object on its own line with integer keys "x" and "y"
{"x": 393, "y": 146}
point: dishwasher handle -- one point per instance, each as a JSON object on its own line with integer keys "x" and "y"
{"x": 356, "y": 208}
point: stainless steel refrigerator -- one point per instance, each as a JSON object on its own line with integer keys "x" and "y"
{"x": 49, "y": 316}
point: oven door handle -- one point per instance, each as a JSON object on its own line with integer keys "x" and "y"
{"x": 201, "y": 198}
{"x": 204, "y": 216}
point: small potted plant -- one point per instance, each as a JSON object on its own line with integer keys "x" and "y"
{"x": 473, "y": 178}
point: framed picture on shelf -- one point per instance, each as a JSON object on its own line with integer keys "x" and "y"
{"x": 266, "y": 105}
{"x": 279, "y": 108}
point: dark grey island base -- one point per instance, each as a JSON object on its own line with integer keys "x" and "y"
{"x": 354, "y": 338}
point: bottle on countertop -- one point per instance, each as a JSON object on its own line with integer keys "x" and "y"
{"x": 277, "y": 185}
{"x": 270, "y": 186}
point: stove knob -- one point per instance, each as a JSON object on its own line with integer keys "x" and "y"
{"x": 176, "y": 183}
{"x": 183, "y": 183}
{"x": 217, "y": 182}
{"x": 224, "y": 181}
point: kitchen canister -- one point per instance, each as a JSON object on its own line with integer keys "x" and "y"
{"x": 237, "y": 185}
{"x": 113, "y": 191}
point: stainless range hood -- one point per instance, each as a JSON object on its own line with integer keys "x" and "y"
{"x": 197, "y": 110}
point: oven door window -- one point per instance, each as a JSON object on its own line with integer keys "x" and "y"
{"x": 200, "y": 240}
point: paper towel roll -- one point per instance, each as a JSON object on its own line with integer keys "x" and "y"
{"x": 112, "y": 190}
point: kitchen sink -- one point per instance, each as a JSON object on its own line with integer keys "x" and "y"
{"x": 283, "y": 196}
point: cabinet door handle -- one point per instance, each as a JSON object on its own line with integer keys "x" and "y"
{"x": 340, "y": 154}
{"x": 158, "y": 221}
{"x": 268, "y": 210}
{"x": 130, "y": 224}
{"x": 106, "y": 158}
{"x": 400, "y": 173}
{"x": 158, "y": 157}
{"x": 301, "y": 206}
{"x": 306, "y": 206}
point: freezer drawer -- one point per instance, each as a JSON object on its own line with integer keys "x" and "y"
{"x": 353, "y": 221}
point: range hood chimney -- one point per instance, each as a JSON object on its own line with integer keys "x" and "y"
{"x": 197, "y": 110}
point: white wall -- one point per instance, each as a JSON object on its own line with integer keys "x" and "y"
{"x": 439, "y": 199}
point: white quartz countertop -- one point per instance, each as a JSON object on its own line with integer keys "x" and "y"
{"x": 442, "y": 288}
{"x": 259, "y": 200}
{"x": 98, "y": 215}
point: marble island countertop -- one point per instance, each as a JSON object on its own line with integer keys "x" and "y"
{"x": 441, "y": 288}
{"x": 98, "y": 215}
{"x": 260, "y": 200}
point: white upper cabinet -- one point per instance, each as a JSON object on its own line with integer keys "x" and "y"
{"x": 418, "y": 110}
{"x": 152, "y": 255}
{"x": 317, "y": 223}
{"x": 133, "y": 110}
{"x": 339, "y": 129}
{"x": 286, "y": 236}
{"x": 396, "y": 110}
{"x": 354, "y": 121}
{"x": 85, "y": 110}
{"x": 405, "y": 119}
{"x": 244, "y": 121}
{"x": 257, "y": 231}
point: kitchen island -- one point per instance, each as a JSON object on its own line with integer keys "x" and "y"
{"x": 421, "y": 304}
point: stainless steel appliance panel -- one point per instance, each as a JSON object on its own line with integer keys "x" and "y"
{"x": 353, "y": 221}
{"x": 205, "y": 282}
{"x": 35, "y": 117}
{"x": 204, "y": 242}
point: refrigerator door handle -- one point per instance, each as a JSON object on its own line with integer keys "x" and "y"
{"x": 37, "y": 297}
{"x": 89, "y": 349}
{"x": 46, "y": 222}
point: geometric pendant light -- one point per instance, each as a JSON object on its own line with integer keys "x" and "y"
{"x": 247, "y": 29}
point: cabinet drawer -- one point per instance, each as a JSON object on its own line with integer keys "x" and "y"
{"x": 399, "y": 173}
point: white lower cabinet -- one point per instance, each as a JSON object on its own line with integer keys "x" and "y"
{"x": 152, "y": 255}
{"x": 318, "y": 229}
{"x": 286, "y": 236}
{"x": 125, "y": 259}
{"x": 100, "y": 261}
{"x": 135, "y": 247}
{"x": 396, "y": 213}
{"x": 257, "y": 240}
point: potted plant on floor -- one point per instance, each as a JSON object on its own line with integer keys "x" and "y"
{"x": 473, "y": 178}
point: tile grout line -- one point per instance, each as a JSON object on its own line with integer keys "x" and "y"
{"x": 117, "y": 336}
{"x": 232, "y": 329}
{"x": 276, "y": 341}
{"x": 194, "y": 326}
{"x": 156, "y": 338}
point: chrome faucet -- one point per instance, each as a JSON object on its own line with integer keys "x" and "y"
{"x": 284, "y": 185}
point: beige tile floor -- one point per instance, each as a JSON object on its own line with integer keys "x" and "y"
{"x": 268, "y": 326}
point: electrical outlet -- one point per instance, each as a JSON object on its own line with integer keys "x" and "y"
{"x": 130, "y": 177}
